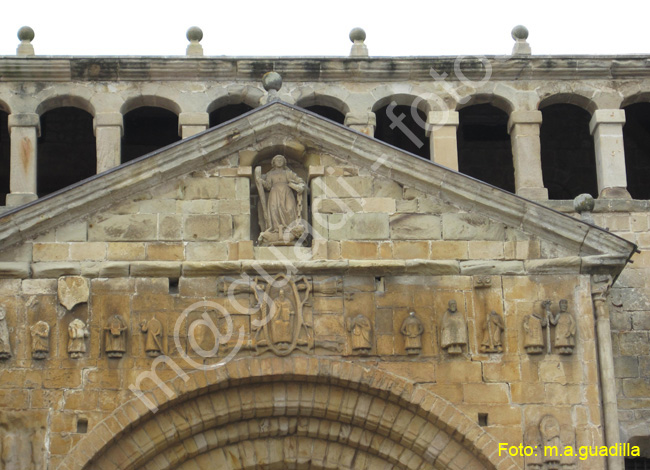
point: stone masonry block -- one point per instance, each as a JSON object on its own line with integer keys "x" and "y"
{"x": 372, "y": 226}
{"x": 471, "y": 227}
{"x": 128, "y": 227}
{"x": 415, "y": 227}
{"x": 342, "y": 186}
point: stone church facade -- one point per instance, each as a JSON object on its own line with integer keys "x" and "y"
{"x": 350, "y": 305}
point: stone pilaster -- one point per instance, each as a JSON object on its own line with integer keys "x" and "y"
{"x": 607, "y": 128}
{"x": 523, "y": 127}
{"x": 190, "y": 124}
{"x": 24, "y": 130}
{"x": 109, "y": 129}
{"x": 362, "y": 122}
{"x": 600, "y": 286}
{"x": 441, "y": 130}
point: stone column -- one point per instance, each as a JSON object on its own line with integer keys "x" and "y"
{"x": 190, "y": 124}
{"x": 109, "y": 129}
{"x": 362, "y": 122}
{"x": 606, "y": 126}
{"x": 24, "y": 129}
{"x": 600, "y": 286}
{"x": 441, "y": 131}
{"x": 523, "y": 127}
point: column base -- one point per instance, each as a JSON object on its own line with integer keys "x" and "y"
{"x": 18, "y": 199}
{"x": 614, "y": 193}
{"x": 537, "y": 194}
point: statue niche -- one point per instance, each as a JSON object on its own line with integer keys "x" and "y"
{"x": 281, "y": 219}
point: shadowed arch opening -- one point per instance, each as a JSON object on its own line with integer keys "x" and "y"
{"x": 5, "y": 156}
{"x": 228, "y": 112}
{"x": 282, "y": 411}
{"x": 146, "y": 129}
{"x": 484, "y": 149}
{"x": 327, "y": 112}
{"x": 66, "y": 149}
{"x": 567, "y": 149}
{"x": 401, "y": 122}
{"x": 636, "y": 140}
{"x": 65, "y": 101}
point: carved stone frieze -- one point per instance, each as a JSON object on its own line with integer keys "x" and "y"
{"x": 412, "y": 330}
{"x": 40, "y": 332}
{"x": 492, "y": 330}
{"x": 453, "y": 332}
{"x": 77, "y": 334}
{"x": 115, "y": 329}
{"x": 153, "y": 343}
{"x": 361, "y": 337}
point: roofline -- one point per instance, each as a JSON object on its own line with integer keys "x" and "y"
{"x": 314, "y": 69}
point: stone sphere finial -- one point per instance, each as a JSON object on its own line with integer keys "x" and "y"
{"x": 584, "y": 204}
{"x": 357, "y": 35}
{"x": 26, "y": 35}
{"x": 519, "y": 32}
{"x": 272, "y": 81}
{"x": 194, "y": 35}
{"x": 359, "y": 49}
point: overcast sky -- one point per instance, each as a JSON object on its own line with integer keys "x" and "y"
{"x": 299, "y": 28}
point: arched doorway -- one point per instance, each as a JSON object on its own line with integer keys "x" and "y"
{"x": 294, "y": 412}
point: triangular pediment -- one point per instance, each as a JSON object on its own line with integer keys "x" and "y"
{"x": 319, "y": 143}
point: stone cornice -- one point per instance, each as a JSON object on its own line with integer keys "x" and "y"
{"x": 315, "y": 69}
{"x": 273, "y": 121}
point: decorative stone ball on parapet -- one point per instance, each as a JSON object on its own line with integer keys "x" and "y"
{"x": 26, "y": 36}
{"x": 359, "y": 49}
{"x": 194, "y": 35}
{"x": 584, "y": 205}
{"x": 272, "y": 82}
{"x": 520, "y": 34}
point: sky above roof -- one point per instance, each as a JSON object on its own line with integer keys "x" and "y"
{"x": 304, "y": 28}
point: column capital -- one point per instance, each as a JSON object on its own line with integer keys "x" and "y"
{"x": 193, "y": 119}
{"x": 524, "y": 117}
{"x": 606, "y": 116}
{"x": 25, "y": 120}
{"x": 441, "y": 119}
{"x": 108, "y": 120}
{"x": 360, "y": 119}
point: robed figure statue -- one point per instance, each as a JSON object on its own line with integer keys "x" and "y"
{"x": 281, "y": 211}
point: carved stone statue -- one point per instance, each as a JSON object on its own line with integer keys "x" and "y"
{"x": 360, "y": 334}
{"x": 40, "y": 332}
{"x": 549, "y": 429}
{"x": 281, "y": 213}
{"x": 565, "y": 329}
{"x": 534, "y": 325}
{"x": 453, "y": 330}
{"x": 115, "y": 345}
{"x": 5, "y": 345}
{"x": 153, "y": 345}
{"x": 412, "y": 330}
{"x": 492, "y": 333}
{"x": 77, "y": 334}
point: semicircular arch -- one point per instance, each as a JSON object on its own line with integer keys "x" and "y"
{"x": 383, "y": 405}
{"x": 64, "y": 101}
{"x": 154, "y": 101}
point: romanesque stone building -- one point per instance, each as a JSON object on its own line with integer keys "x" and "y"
{"x": 420, "y": 281}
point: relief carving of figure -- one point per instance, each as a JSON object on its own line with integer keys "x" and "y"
{"x": 281, "y": 326}
{"x": 281, "y": 222}
{"x": 565, "y": 329}
{"x": 412, "y": 330}
{"x": 40, "y": 332}
{"x": 5, "y": 345}
{"x": 492, "y": 333}
{"x": 153, "y": 346}
{"x": 115, "y": 345}
{"x": 453, "y": 330}
{"x": 77, "y": 334}
{"x": 534, "y": 325}
{"x": 360, "y": 334}
{"x": 549, "y": 428}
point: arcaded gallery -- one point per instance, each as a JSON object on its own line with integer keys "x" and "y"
{"x": 324, "y": 263}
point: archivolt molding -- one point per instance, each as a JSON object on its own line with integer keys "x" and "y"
{"x": 78, "y": 98}
{"x": 221, "y": 96}
{"x": 284, "y": 392}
